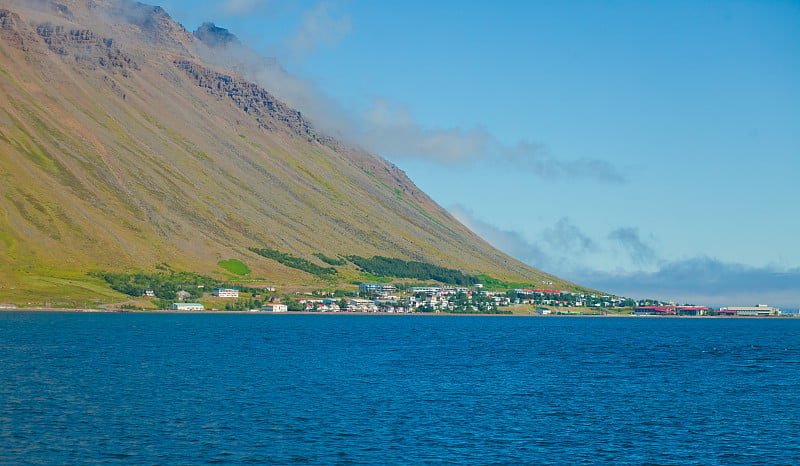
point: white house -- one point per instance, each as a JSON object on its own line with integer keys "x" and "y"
{"x": 226, "y": 292}
{"x": 361, "y": 305}
{"x": 379, "y": 288}
{"x": 274, "y": 308}
{"x": 187, "y": 307}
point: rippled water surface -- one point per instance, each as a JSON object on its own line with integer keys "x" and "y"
{"x": 323, "y": 389}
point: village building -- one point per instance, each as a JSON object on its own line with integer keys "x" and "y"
{"x": 429, "y": 290}
{"x": 275, "y": 307}
{"x": 693, "y": 310}
{"x": 187, "y": 307}
{"x": 388, "y": 299}
{"x": 671, "y": 310}
{"x": 761, "y": 310}
{"x": 655, "y": 311}
{"x": 437, "y": 302}
{"x": 226, "y": 292}
{"x": 361, "y": 305}
{"x": 376, "y": 288}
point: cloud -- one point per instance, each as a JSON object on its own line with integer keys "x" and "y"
{"x": 389, "y": 128}
{"x": 320, "y": 26}
{"x": 534, "y": 158}
{"x": 639, "y": 252}
{"x": 511, "y": 242}
{"x": 555, "y": 251}
{"x": 568, "y": 238}
{"x": 700, "y": 280}
{"x": 704, "y": 280}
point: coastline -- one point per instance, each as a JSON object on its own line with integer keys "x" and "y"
{"x": 430, "y": 314}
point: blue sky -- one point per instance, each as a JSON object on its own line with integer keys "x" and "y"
{"x": 645, "y": 148}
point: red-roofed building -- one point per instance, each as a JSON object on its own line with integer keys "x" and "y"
{"x": 693, "y": 310}
{"x": 655, "y": 311}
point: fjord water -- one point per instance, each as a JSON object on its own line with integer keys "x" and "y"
{"x": 333, "y": 389}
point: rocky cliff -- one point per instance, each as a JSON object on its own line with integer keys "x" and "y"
{"x": 251, "y": 98}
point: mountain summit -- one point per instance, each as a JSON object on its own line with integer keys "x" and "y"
{"x": 122, "y": 150}
{"x": 214, "y": 36}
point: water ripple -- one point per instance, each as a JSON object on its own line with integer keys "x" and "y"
{"x": 296, "y": 389}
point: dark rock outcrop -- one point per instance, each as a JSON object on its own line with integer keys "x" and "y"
{"x": 9, "y": 30}
{"x": 86, "y": 48}
{"x": 213, "y": 36}
{"x": 83, "y": 45}
{"x": 249, "y": 97}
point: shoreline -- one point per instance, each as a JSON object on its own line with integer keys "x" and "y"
{"x": 441, "y": 314}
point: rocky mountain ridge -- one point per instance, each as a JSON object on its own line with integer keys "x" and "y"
{"x": 249, "y": 97}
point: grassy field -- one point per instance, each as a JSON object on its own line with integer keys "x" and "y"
{"x": 59, "y": 289}
{"x": 235, "y": 266}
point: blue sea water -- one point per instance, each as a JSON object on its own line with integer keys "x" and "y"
{"x": 332, "y": 389}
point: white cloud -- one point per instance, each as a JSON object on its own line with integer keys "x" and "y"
{"x": 321, "y": 26}
{"x": 391, "y": 130}
{"x": 388, "y": 128}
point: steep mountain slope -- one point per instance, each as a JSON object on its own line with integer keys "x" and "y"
{"x": 122, "y": 150}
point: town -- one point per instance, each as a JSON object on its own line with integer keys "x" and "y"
{"x": 400, "y": 299}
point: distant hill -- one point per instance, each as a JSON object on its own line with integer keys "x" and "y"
{"x": 122, "y": 150}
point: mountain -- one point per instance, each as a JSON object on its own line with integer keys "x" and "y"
{"x": 123, "y": 149}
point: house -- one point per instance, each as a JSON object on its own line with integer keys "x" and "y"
{"x": 274, "y": 307}
{"x": 428, "y": 290}
{"x": 360, "y": 302}
{"x": 186, "y": 307}
{"x": 386, "y": 300}
{"x": 149, "y": 293}
{"x": 361, "y": 305}
{"x": 376, "y": 288}
{"x": 226, "y": 292}
{"x": 436, "y": 302}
